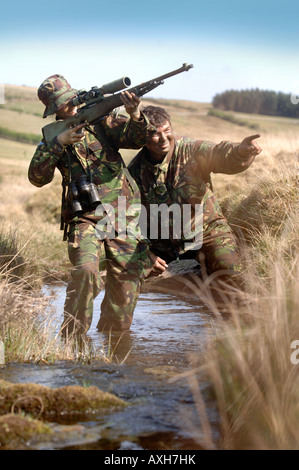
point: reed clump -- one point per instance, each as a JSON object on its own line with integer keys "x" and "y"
{"x": 248, "y": 360}
{"x": 249, "y": 367}
{"x": 29, "y": 330}
{"x": 265, "y": 205}
{"x": 28, "y": 323}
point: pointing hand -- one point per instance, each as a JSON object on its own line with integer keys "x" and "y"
{"x": 247, "y": 148}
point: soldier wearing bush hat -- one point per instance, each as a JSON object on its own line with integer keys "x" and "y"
{"x": 54, "y": 93}
{"x": 77, "y": 153}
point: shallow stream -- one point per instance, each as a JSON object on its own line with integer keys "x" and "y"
{"x": 162, "y": 414}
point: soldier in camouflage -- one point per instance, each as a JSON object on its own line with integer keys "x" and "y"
{"x": 178, "y": 171}
{"x": 94, "y": 153}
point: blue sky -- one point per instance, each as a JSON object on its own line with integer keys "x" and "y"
{"x": 232, "y": 44}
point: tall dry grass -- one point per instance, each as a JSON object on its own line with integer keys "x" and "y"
{"x": 29, "y": 330}
{"x": 247, "y": 360}
{"x": 28, "y": 322}
{"x": 250, "y": 372}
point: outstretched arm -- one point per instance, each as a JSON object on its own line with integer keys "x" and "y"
{"x": 226, "y": 157}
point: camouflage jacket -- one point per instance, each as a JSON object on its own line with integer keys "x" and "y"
{"x": 97, "y": 157}
{"x": 184, "y": 179}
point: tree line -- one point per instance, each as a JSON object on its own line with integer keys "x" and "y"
{"x": 257, "y": 101}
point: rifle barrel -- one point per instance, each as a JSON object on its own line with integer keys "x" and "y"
{"x": 96, "y": 108}
{"x": 184, "y": 68}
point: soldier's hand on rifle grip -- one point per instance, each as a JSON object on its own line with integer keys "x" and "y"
{"x": 71, "y": 136}
{"x": 131, "y": 103}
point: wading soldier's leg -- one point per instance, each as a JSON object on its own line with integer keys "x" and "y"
{"x": 126, "y": 263}
{"x": 85, "y": 252}
{"x": 223, "y": 266}
{"x": 220, "y": 249}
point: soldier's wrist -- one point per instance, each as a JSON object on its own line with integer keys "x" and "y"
{"x": 137, "y": 116}
{"x": 57, "y": 147}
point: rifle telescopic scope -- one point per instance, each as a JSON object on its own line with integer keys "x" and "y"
{"x": 95, "y": 92}
{"x": 114, "y": 86}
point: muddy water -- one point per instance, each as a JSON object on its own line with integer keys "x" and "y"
{"x": 165, "y": 328}
{"x": 165, "y": 332}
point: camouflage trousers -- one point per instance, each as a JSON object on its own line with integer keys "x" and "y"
{"x": 125, "y": 261}
{"x": 219, "y": 251}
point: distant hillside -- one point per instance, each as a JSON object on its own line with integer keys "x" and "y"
{"x": 21, "y": 119}
{"x": 22, "y": 99}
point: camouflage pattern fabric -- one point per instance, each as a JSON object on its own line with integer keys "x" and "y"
{"x": 184, "y": 177}
{"x": 54, "y": 93}
{"x": 127, "y": 261}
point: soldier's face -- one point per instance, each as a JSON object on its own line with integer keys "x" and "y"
{"x": 66, "y": 111}
{"x": 160, "y": 143}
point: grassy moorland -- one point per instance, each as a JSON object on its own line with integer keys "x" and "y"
{"x": 248, "y": 362}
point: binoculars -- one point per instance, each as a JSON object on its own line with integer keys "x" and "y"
{"x": 84, "y": 195}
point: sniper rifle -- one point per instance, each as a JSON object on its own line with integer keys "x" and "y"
{"x": 97, "y": 104}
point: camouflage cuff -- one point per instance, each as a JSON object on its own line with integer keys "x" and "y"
{"x": 143, "y": 120}
{"x": 56, "y": 147}
{"x": 235, "y": 151}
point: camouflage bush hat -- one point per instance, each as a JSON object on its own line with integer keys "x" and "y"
{"x": 54, "y": 93}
